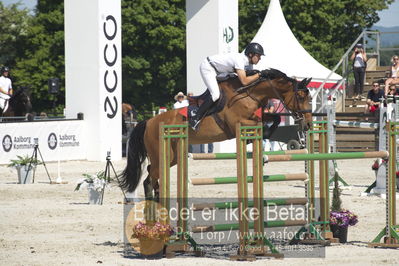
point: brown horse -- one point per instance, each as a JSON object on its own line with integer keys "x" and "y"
{"x": 241, "y": 103}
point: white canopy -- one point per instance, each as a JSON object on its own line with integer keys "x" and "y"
{"x": 285, "y": 53}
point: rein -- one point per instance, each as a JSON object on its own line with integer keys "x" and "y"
{"x": 297, "y": 115}
{"x": 246, "y": 90}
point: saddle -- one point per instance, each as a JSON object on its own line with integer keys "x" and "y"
{"x": 196, "y": 101}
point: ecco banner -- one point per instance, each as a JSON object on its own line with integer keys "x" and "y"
{"x": 57, "y": 140}
{"x": 93, "y": 72}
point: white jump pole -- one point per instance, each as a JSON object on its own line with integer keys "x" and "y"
{"x": 58, "y": 179}
{"x": 355, "y": 124}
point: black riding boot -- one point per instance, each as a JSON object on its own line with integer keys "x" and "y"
{"x": 194, "y": 121}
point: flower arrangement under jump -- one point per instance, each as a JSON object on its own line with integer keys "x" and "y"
{"x": 343, "y": 218}
{"x": 339, "y": 216}
{"x": 154, "y": 231}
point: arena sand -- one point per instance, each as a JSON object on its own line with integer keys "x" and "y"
{"x": 42, "y": 224}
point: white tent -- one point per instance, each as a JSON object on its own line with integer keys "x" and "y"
{"x": 285, "y": 53}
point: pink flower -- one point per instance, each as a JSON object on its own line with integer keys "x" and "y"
{"x": 152, "y": 231}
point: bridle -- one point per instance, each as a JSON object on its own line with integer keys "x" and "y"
{"x": 298, "y": 115}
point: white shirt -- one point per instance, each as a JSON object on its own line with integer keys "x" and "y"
{"x": 181, "y": 104}
{"x": 359, "y": 62}
{"x": 228, "y": 63}
{"x": 5, "y": 84}
{"x": 395, "y": 72}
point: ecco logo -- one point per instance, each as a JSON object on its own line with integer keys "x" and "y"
{"x": 110, "y": 102}
{"x": 7, "y": 143}
{"x": 52, "y": 141}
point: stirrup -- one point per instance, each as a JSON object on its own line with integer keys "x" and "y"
{"x": 194, "y": 124}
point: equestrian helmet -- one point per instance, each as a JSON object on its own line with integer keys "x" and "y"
{"x": 5, "y": 69}
{"x": 254, "y": 48}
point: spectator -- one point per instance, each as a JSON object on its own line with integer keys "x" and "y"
{"x": 394, "y": 79}
{"x": 393, "y": 91}
{"x": 373, "y": 98}
{"x": 270, "y": 108}
{"x": 210, "y": 148}
{"x": 5, "y": 88}
{"x": 181, "y": 100}
{"x": 43, "y": 115}
{"x": 359, "y": 59}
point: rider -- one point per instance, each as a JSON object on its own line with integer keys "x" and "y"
{"x": 5, "y": 87}
{"x": 226, "y": 64}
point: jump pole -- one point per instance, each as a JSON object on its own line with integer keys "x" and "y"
{"x": 227, "y": 156}
{"x": 255, "y": 135}
{"x": 167, "y": 135}
{"x": 234, "y": 204}
{"x": 228, "y": 227}
{"x": 383, "y": 116}
{"x": 327, "y": 156}
{"x": 234, "y": 180}
{"x": 259, "y": 241}
{"x": 390, "y": 231}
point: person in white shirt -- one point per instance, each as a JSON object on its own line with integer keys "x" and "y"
{"x": 394, "y": 79}
{"x": 225, "y": 64}
{"x": 181, "y": 101}
{"x": 5, "y": 88}
{"x": 359, "y": 59}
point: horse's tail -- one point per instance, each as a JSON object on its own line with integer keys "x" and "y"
{"x": 136, "y": 155}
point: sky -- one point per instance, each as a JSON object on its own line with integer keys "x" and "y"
{"x": 388, "y": 17}
{"x": 27, "y": 3}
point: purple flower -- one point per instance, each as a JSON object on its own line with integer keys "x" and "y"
{"x": 343, "y": 218}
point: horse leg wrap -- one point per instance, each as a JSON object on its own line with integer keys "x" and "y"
{"x": 148, "y": 188}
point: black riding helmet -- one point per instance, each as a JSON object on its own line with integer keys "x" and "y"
{"x": 5, "y": 69}
{"x": 254, "y": 48}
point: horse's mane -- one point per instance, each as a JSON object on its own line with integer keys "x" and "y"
{"x": 273, "y": 73}
{"x": 19, "y": 92}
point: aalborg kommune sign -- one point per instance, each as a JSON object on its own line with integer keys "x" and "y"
{"x": 57, "y": 140}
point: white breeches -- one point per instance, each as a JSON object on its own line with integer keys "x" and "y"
{"x": 3, "y": 101}
{"x": 208, "y": 75}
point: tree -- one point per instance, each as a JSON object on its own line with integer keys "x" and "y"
{"x": 325, "y": 28}
{"x": 153, "y": 50}
{"x": 153, "y": 42}
{"x": 13, "y": 33}
{"x": 43, "y": 56}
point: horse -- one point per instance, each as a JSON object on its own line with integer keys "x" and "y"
{"x": 128, "y": 113}
{"x": 241, "y": 103}
{"x": 19, "y": 104}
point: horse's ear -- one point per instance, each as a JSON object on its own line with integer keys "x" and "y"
{"x": 304, "y": 83}
{"x": 27, "y": 88}
{"x": 301, "y": 84}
